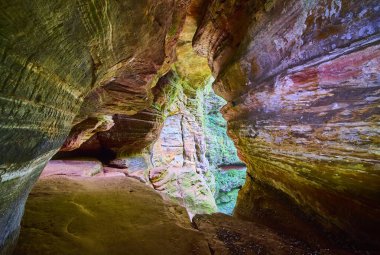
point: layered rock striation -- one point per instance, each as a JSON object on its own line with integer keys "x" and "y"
{"x": 301, "y": 80}
{"x": 300, "y": 77}
{"x": 64, "y": 62}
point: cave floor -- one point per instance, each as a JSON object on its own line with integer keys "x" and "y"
{"x": 104, "y": 215}
{"x": 120, "y": 215}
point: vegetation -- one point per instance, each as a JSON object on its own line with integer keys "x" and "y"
{"x": 228, "y": 184}
{"x": 221, "y": 151}
{"x": 220, "y": 148}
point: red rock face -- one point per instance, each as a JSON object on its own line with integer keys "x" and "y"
{"x": 303, "y": 89}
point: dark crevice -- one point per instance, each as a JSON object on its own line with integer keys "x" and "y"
{"x": 212, "y": 251}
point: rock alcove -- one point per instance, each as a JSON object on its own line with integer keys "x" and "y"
{"x": 128, "y": 83}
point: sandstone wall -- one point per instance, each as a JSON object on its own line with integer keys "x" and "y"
{"x": 180, "y": 168}
{"x": 302, "y": 83}
{"x": 301, "y": 78}
{"x": 55, "y": 55}
{"x": 125, "y": 135}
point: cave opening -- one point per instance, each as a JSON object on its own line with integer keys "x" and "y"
{"x": 188, "y": 156}
{"x": 221, "y": 153}
{"x": 183, "y": 153}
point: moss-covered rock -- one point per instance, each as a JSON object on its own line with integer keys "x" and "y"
{"x": 220, "y": 148}
{"x": 228, "y": 184}
{"x": 180, "y": 168}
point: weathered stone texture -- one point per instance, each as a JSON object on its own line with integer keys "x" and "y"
{"x": 57, "y": 54}
{"x": 303, "y": 89}
{"x": 97, "y": 216}
{"x": 180, "y": 168}
{"x": 301, "y": 78}
{"x": 83, "y": 131}
{"x": 129, "y": 134}
{"x": 78, "y": 168}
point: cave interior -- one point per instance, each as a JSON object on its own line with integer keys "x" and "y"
{"x": 204, "y": 127}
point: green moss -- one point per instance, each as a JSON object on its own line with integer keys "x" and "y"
{"x": 220, "y": 148}
{"x": 228, "y": 184}
{"x": 269, "y": 5}
{"x": 170, "y": 93}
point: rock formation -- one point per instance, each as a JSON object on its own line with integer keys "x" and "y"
{"x": 129, "y": 134}
{"x": 301, "y": 80}
{"x": 104, "y": 215}
{"x": 175, "y": 164}
{"x": 63, "y": 62}
{"x": 82, "y": 168}
{"x": 228, "y": 183}
{"x": 85, "y": 130}
{"x": 180, "y": 168}
{"x": 300, "y": 77}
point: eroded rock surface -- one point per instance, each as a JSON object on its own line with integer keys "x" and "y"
{"x": 107, "y": 214}
{"x": 99, "y": 215}
{"x": 80, "y": 168}
{"x": 301, "y": 80}
{"x": 83, "y": 131}
{"x": 231, "y": 236}
{"x": 57, "y": 55}
{"x": 180, "y": 168}
{"x": 129, "y": 134}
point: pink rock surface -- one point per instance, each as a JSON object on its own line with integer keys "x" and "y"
{"x": 108, "y": 169}
{"x": 81, "y": 168}
{"x": 114, "y": 171}
{"x": 110, "y": 174}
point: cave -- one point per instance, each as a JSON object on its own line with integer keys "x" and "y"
{"x": 190, "y": 127}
